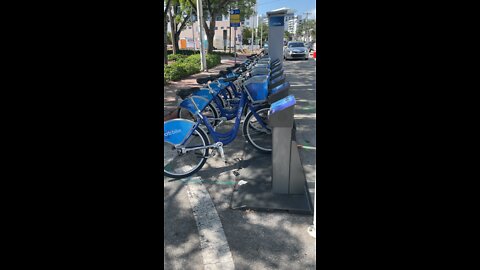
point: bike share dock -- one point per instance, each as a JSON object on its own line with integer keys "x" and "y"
{"x": 282, "y": 186}
{"x": 276, "y": 181}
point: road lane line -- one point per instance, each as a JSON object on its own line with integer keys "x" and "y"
{"x": 213, "y": 242}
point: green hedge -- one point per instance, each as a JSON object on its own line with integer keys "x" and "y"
{"x": 183, "y": 52}
{"x": 185, "y": 66}
{"x": 190, "y": 52}
{"x": 176, "y": 57}
{"x": 213, "y": 60}
{"x": 174, "y": 72}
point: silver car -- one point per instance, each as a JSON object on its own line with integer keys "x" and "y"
{"x": 295, "y": 50}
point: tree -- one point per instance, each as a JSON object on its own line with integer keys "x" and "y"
{"x": 167, "y": 7}
{"x": 287, "y": 35}
{"x": 214, "y": 8}
{"x": 264, "y": 33}
{"x": 246, "y": 35}
{"x": 307, "y": 27}
{"x": 179, "y": 18}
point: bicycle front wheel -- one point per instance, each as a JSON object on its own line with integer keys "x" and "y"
{"x": 258, "y": 136}
{"x": 179, "y": 165}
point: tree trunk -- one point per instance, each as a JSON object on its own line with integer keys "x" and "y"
{"x": 165, "y": 59}
{"x": 211, "y": 33}
{"x": 175, "y": 42}
{"x": 172, "y": 29}
{"x": 210, "y": 36}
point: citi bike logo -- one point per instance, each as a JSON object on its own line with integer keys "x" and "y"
{"x": 171, "y": 132}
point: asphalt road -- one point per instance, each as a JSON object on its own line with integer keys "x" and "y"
{"x": 256, "y": 240}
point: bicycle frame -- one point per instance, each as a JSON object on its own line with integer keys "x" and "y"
{"x": 228, "y": 137}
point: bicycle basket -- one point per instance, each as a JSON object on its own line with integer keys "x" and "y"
{"x": 262, "y": 65}
{"x": 260, "y": 71}
{"x": 257, "y": 87}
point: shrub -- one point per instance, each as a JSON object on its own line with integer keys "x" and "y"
{"x": 213, "y": 60}
{"x": 184, "y": 52}
{"x": 185, "y": 66}
{"x": 174, "y": 72}
{"x": 176, "y": 57}
{"x": 190, "y": 68}
{"x": 193, "y": 59}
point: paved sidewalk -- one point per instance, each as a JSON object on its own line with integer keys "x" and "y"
{"x": 255, "y": 239}
{"x": 169, "y": 101}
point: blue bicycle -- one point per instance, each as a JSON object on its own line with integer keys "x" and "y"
{"x": 186, "y": 144}
{"x": 223, "y": 90}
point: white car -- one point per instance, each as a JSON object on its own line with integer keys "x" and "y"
{"x": 295, "y": 50}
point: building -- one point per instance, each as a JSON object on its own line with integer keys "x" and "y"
{"x": 293, "y": 24}
{"x": 222, "y": 33}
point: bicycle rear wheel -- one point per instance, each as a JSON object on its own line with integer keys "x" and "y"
{"x": 178, "y": 165}
{"x": 210, "y": 112}
{"x": 255, "y": 133}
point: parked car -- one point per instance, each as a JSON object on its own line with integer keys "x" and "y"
{"x": 295, "y": 50}
{"x": 314, "y": 48}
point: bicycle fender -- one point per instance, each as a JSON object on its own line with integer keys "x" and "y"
{"x": 204, "y": 93}
{"x": 201, "y": 102}
{"x": 176, "y": 131}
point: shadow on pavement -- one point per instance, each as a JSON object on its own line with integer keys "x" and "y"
{"x": 181, "y": 243}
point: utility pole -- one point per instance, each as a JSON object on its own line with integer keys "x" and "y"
{"x": 261, "y": 32}
{"x": 306, "y": 19}
{"x": 253, "y": 25}
{"x": 200, "y": 24}
{"x": 251, "y": 42}
{"x": 256, "y": 33}
{"x": 304, "y": 23}
{"x": 193, "y": 30}
{"x": 230, "y": 34}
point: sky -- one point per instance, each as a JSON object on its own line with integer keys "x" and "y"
{"x": 300, "y": 6}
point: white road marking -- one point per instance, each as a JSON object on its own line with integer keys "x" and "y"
{"x": 213, "y": 242}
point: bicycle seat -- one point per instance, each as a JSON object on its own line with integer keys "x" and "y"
{"x": 204, "y": 80}
{"x": 185, "y": 92}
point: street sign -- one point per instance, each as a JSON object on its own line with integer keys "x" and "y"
{"x": 235, "y": 18}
